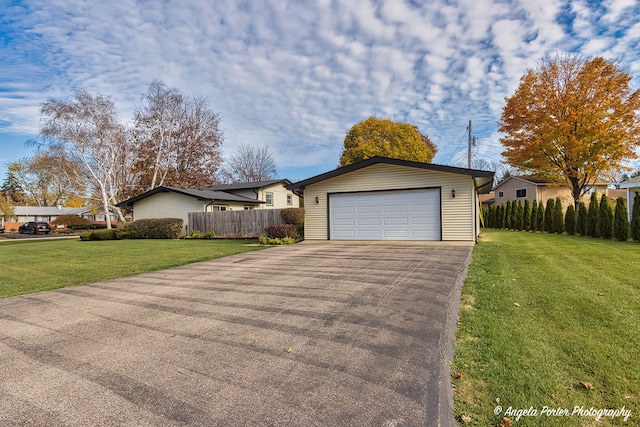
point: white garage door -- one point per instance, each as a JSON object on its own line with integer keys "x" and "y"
{"x": 385, "y": 215}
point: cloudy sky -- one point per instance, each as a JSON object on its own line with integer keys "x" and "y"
{"x": 296, "y": 75}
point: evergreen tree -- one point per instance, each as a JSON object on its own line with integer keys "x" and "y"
{"x": 548, "y": 218}
{"x": 570, "y": 220}
{"x": 502, "y": 220}
{"x": 534, "y": 216}
{"x": 592, "y": 216}
{"x": 558, "y": 217}
{"x": 635, "y": 218}
{"x": 540, "y": 217}
{"x": 519, "y": 214}
{"x": 581, "y": 222}
{"x": 526, "y": 216}
{"x": 621, "y": 220}
{"x": 605, "y": 218}
{"x": 507, "y": 215}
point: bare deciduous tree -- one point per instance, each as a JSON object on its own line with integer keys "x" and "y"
{"x": 85, "y": 129}
{"x": 177, "y": 139}
{"x": 250, "y": 164}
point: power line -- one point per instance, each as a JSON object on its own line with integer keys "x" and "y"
{"x": 458, "y": 146}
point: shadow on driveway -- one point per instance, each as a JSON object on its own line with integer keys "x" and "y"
{"x": 369, "y": 329}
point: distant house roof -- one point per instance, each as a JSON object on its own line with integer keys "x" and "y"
{"x": 483, "y": 178}
{"x": 247, "y": 185}
{"x": 192, "y": 192}
{"x": 631, "y": 183}
{"x": 540, "y": 180}
{"x": 48, "y": 210}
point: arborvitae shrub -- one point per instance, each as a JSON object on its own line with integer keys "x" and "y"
{"x": 548, "y": 218}
{"x": 558, "y": 217}
{"x": 621, "y": 220}
{"x": 581, "y": 221}
{"x": 592, "y": 216}
{"x": 526, "y": 216}
{"x": 605, "y": 218}
{"x": 540, "y": 217}
{"x": 635, "y": 218}
{"x": 507, "y": 215}
{"x": 153, "y": 228}
{"x": 519, "y": 214}
{"x": 534, "y": 216}
{"x": 570, "y": 220}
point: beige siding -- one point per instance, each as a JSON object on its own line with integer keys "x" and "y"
{"x": 509, "y": 188}
{"x": 279, "y": 197}
{"x": 457, "y": 213}
{"x": 167, "y": 205}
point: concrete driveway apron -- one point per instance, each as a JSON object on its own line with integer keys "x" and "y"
{"x": 340, "y": 334}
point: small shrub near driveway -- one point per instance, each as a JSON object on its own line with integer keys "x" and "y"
{"x": 154, "y": 228}
{"x": 200, "y": 235}
{"x": 265, "y": 240}
{"x": 281, "y": 231}
{"x": 100, "y": 235}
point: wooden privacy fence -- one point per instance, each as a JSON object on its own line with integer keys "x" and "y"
{"x": 247, "y": 223}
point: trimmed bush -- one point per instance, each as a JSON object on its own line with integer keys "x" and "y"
{"x": 581, "y": 221}
{"x": 605, "y": 218}
{"x": 293, "y": 216}
{"x": 200, "y": 235}
{"x": 281, "y": 231}
{"x": 72, "y": 221}
{"x": 635, "y": 218}
{"x": 264, "y": 240}
{"x": 621, "y": 220}
{"x": 592, "y": 216}
{"x": 519, "y": 216}
{"x": 100, "y": 235}
{"x": 558, "y": 217}
{"x": 534, "y": 216}
{"x": 570, "y": 220}
{"x": 153, "y": 228}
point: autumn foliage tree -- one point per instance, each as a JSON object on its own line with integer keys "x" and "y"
{"x": 385, "y": 138}
{"x": 573, "y": 120}
{"x": 177, "y": 139}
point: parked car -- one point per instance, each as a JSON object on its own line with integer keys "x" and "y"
{"x": 1, "y": 228}
{"x": 34, "y": 227}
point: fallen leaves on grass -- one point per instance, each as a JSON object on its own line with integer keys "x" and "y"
{"x": 586, "y": 385}
{"x": 288, "y": 350}
{"x": 466, "y": 419}
{"x": 516, "y": 304}
{"x": 457, "y": 375}
{"x": 506, "y": 422}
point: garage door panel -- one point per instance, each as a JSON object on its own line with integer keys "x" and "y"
{"x": 388, "y": 215}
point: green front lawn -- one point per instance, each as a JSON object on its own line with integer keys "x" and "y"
{"x": 32, "y": 266}
{"x": 541, "y": 313}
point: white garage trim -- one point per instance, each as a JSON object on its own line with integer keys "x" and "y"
{"x": 413, "y": 214}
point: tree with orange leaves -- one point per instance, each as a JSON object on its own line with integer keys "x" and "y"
{"x": 572, "y": 119}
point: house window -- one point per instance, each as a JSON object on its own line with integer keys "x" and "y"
{"x": 219, "y": 208}
{"x": 248, "y": 207}
{"x": 289, "y": 199}
{"x": 269, "y": 199}
{"x": 521, "y": 193}
{"x": 500, "y": 194}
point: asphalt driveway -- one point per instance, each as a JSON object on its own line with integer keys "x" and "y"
{"x": 369, "y": 328}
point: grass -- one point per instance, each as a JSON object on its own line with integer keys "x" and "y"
{"x": 33, "y": 266}
{"x": 578, "y": 320}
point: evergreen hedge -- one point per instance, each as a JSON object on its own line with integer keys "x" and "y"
{"x": 549, "y": 226}
{"x": 621, "y": 220}
{"x": 592, "y": 216}
{"x": 526, "y": 216}
{"x": 635, "y": 218}
{"x": 581, "y": 221}
{"x": 570, "y": 220}
{"x": 540, "y": 217}
{"x": 605, "y": 219}
{"x": 558, "y": 217}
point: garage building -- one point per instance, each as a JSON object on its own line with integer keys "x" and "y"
{"x": 390, "y": 199}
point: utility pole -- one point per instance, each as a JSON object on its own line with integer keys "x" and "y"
{"x": 470, "y": 142}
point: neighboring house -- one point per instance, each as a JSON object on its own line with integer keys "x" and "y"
{"x": 487, "y": 200}
{"x": 631, "y": 186}
{"x": 173, "y": 202}
{"x": 50, "y": 213}
{"x": 531, "y": 187}
{"x": 389, "y": 199}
